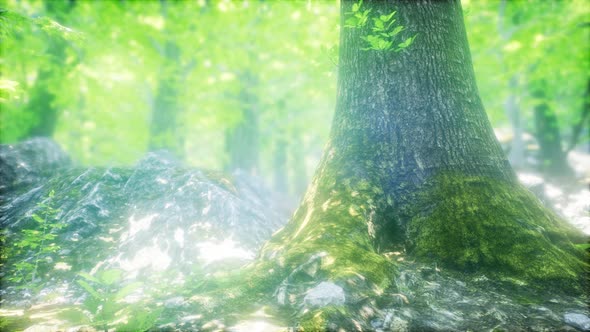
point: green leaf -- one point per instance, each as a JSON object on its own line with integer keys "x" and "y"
{"x": 386, "y": 18}
{"x": 37, "y": 218}
{"x": 109, "y": 277}
{"x": 88, "y": 277}
{"x": 351, "y": 22}
{"x": 378, "y": 25}
{"x": 406, "y": 43}
{"x": 396, "y": 31}
{"x": 74, "y": 316}
{"x": 141, "y": 319}
{"x": 89, "y": 289}
{"x": 109, "y": 308}
{"x": 127, "y": 290}
{"x": 355, "y": 7}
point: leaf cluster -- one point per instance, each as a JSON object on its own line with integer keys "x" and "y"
{"x": 106, "y": 305}
{"x": 38, "y": 243}
{"x": 383, "y": 29}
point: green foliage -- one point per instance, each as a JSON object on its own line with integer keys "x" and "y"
{"x": 115, "y": 61}
{"x": 105, "y": 302}
{"x": 384, "y": 31}
{"x": 39, "y": 244}
{"x": 515, "y": 43}
{"x": 13, "y": 24}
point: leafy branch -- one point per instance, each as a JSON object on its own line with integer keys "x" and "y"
{"x": 384, "y": 32}
{"x": 106, "y": 305}
{"x": 38, "y": 241}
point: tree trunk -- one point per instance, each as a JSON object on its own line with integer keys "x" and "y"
{"x": 517, "y": 148}
{"x": 297, "y": 162}
{"x": 516, "y": 153}
{"x": 166, "y": 128}
{"x": 412, "y": 164}
{"x": 241, "y": 141}
{"x": 552, "y": 158}
{"x": 583, "y": 121}
{"x": 280, "y": 166}
{"x": 165, "y": 131}
{"x": 42, "y": 98}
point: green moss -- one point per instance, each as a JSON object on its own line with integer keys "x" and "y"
{"x": 481, "y": 224}
{"x": 335, "y": 221}
{"x": 328, "y": 238}
{"x": 14, "y": 323}
{"x": 330, "y": 318}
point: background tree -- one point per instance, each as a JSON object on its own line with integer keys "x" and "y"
{"x": 42, "y": 99}
{"x": 531, "y": 45}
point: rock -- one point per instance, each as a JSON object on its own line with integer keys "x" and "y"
{"x": 156, "y": 216}
{"x": 326, "y": 293}
{"x": 579, "y": 321}
{"x": 27, "y": 162}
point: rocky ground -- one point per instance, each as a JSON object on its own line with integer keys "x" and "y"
{"x": 133, "y": 248}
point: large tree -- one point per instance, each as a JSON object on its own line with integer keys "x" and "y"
{"x": 413, "y": 164}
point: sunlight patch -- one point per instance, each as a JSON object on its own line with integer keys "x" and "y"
{"x": 148, "y": 256}
{"x": 179, "y": 237}
{"x": 62, "y": 266}
{"x": 135, "y": 226}
{"x": 211, "y": 252}
{"x": 256, "y": 326}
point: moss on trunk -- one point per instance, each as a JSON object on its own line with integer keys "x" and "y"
{"x": 479, "y": 224}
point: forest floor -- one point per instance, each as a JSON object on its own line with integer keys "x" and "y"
{"x": 156, "y": 191}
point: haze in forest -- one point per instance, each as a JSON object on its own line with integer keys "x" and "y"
{"x": 263, "y": 165}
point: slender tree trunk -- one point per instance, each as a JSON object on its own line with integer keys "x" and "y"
{"x": 297, "y": 163}
{"x": 552, "y": 158}
{"x": 280, "y": 166}
{"x": 241, "y": 141}
{"x": 166, "y": 128}
{"x": 516, "y": 153}
{"x": 583, "y": 122}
